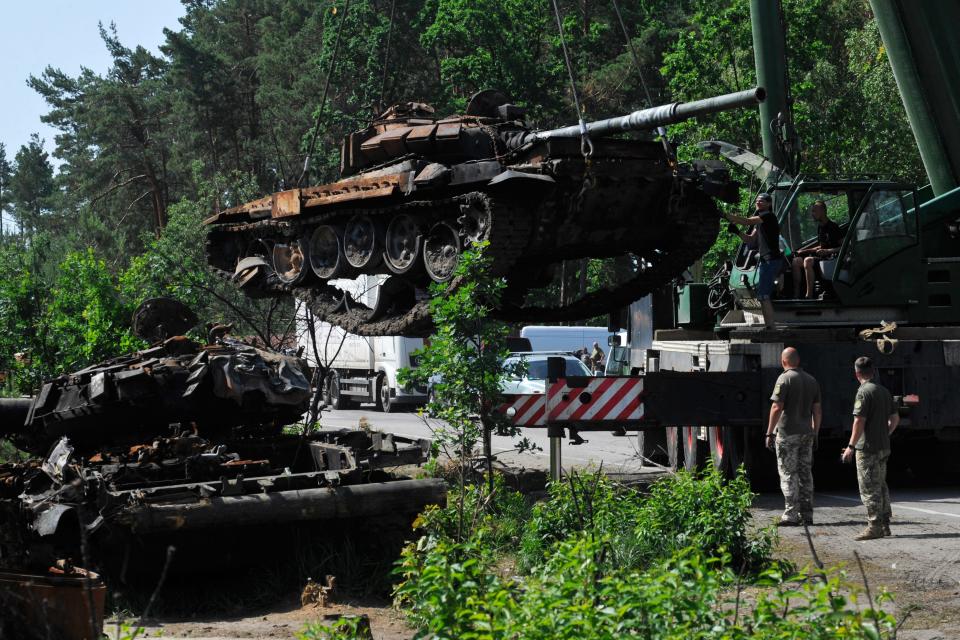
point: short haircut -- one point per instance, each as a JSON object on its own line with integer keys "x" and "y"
{"x": 765, "y": 196}
{"x": 863, "y": 365}
{"x": 820, "y": 202}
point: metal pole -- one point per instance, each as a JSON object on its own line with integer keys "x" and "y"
{"x": 770, "y": 60}
{"x": 920, "y": 44}
{"x": 555, "y": 466}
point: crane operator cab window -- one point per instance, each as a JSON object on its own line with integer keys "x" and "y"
{"x": 814, "y": 227}
{"x": 886, "y": 224}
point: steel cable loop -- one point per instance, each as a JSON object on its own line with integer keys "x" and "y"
{"x": 586, "y": 146}
{"x": 661, "y": 131}
{"x": 323, "y": 97}
{"x": 386, "y": 55}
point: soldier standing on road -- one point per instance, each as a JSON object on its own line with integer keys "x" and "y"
{"x": 875, "y": 418}
{"x": 794, "y": 423}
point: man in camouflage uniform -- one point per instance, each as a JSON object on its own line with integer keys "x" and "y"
{"x": 794, "y": 421}
{"x": 875, "y": 418}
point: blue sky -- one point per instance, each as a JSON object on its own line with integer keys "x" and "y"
{"x": 63, "y": 34}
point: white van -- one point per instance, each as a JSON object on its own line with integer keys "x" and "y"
{"x": 565, "y": 338}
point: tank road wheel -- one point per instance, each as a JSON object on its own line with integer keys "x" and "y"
{"x": 402, "y": 244}
{"x": 475, "y": 222}
{"x": 360, "y": 242}
{"x": 290, "y": 261}
{"x": 441, "y": 252}
{"x": 693, "y": 453}
{"x": 326, "y": 253}
{"x": 674, "y": 450}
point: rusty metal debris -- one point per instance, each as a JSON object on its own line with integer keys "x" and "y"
{"x": 182, "y": 437}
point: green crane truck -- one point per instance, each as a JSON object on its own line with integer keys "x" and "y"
{"x": 891, "y": 291}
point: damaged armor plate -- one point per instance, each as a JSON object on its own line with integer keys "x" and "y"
{"x": 181, "y": 437}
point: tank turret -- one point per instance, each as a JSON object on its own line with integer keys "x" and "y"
{"x": 416, "y": 190}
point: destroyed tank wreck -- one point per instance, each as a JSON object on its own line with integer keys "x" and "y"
{"x": 416, "y": 190}
{"x": 187, "y": 438}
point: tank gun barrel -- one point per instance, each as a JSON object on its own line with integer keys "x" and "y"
{"x": 648, "y": 119}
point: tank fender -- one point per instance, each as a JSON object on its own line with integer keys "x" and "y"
{"x": 517, "y": 182}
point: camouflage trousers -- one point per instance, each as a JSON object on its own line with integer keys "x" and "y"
{"x": 795, "y": 464}
{"x": 872, "y": 478}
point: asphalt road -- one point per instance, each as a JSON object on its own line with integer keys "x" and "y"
{"x": 616, "y": 454}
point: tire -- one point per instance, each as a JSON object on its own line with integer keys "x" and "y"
{"x": 726, "y": 449}
{"x": 694, "y": 455}
{"x": 384, "y": 401}
{"x": 652, "y": 445}
{"x": 674, "y": 450}
{"x": 337, "y": 400}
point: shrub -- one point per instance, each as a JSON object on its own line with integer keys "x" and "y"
{"x": 501, "y": 515}
{"x": 595, "y": 503}
{"x": 704, "y": 511}
{"x": 450, "y": 588}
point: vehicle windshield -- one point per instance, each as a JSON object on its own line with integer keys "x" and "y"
{"x": 797, "y": 225}
{"x": 537, "y": 367}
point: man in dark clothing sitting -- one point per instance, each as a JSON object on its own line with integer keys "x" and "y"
{"x": 809, "y": 260}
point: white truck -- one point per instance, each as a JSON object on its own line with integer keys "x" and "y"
{"x": 361, "y": 368}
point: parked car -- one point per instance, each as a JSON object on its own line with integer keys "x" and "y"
{"x": 535, "y": 378}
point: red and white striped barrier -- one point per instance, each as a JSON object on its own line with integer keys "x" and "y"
{"x": 608, "y": 399}
{"x": 526, "y": 410}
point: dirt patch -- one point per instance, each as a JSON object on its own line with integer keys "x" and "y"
{"x": 285, "y": 621}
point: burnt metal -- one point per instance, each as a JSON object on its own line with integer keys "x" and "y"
{"x": 183, "y": 437}
{"x": 481, "y": 177}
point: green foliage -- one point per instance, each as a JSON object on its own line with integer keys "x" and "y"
{"x": 703, "y": 511}
{"x": 500, "y": 515}
{"x": 596, "y": 504}
{"x": 465, "y": 361}
{"x": 344, "y": 628}
{"x": 76, "y": 318}
{"x": 455, "y": 589}
{"x": 86, "y": 318}
{"x": 680, "y": 511}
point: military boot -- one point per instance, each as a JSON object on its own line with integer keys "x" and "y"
{"x": 870, "y": 533}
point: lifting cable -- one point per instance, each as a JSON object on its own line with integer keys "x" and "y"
{"x": 586, "y": 147}
{"x": 662, "y": 131}
{"x": 386, "y": 57}
{"x": 323, "y": 98}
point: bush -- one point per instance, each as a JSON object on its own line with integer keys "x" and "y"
{"x": 683, "y": 510}
{"x": 452, "y": 592}
{"x": 501, "y": 516}
{"x": 594, "y": 503}
{"x": 704, "y": 511}
{"x": 451, "y": 589}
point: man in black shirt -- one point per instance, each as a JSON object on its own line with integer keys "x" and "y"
{"x": 766, "y": 233}
{"x": 829, "y": 239}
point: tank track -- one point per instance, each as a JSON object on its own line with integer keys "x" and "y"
{"x": 508, "y": 235}
{"x": 695, "y": 224}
